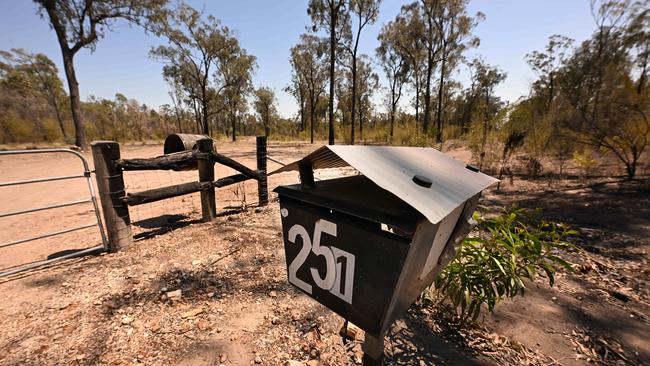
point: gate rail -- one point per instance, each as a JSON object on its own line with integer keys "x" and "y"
{"x": 86, "y": 174}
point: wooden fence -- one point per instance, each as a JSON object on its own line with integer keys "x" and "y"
{"x": 115, "y": 201}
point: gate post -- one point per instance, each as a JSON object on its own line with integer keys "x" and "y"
{"x": 110, "y": 184}
{"x": 262, "y": 184}
{"x": 206, "y": 174}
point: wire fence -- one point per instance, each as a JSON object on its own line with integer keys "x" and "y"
{"x": 238, "y": 197}
{"x": 166, "y": 211}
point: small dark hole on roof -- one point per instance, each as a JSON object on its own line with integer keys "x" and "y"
{"x": 422, "y": 181}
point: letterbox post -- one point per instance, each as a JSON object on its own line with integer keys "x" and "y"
{"x": 110, "y": 185}
{"x": 373, "y": 350}
{"x": 306, "y": 171}
{"x": 206, "y": 174}
{"x": 262, "y": 186}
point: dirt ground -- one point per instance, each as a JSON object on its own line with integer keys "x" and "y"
{"x": 236, "y": 308}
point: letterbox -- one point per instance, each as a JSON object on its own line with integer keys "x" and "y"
{"x": 367, "y": 245}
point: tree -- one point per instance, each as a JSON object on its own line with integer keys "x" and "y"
{"x": 196, "y": 48}
{"x": 298, "y": 89}
{"x": 434, "y": 35}
{"x": 235, "y": 72}
{"x": 432, "y": 42}
{"x": 361, "y": 13}
{"x": 533, "y": 116}
{"x": 455, "y": 28}
{"x": 308, "y": 62}
{"x": 486, "y": 78}
{"x": 34, "y": 74}
{"x": 265, "y": 107}
{"x": 331, "y": 15}
{"x": 637, "y": 39}
{"x": 395, "y": 67}
{"x": 601, "y": 98}
{"x": 368, "y": 83}
{"x": 81, "y": 23}
{"x": 409, "y": 28}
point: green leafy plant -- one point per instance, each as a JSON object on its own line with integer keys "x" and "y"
{"x": 492, "y": 267}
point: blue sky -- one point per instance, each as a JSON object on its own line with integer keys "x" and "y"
{"x": 268, "y": 29}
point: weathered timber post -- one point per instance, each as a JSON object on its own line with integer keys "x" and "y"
{"x": 110, "y": 184}
{"x": 206, "y": 174}
{"x": 262, "y": 184}
{"x": 373, "y": 351}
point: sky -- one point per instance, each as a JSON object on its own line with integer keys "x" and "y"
{"x": 269, "y": 28}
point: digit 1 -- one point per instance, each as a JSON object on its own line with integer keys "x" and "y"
{"x": 343, "y": 289}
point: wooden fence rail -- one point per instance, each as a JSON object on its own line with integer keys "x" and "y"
{"x": 109, "y": 168}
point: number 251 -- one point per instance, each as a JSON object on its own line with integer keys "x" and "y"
{"x": 334, "y": 260}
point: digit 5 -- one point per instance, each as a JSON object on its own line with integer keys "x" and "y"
{"x": 327, "y": 227}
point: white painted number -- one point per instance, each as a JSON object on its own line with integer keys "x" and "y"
{"x": 298, "y": 230}
{"x": 327, "y": 227}
{"x": 338, "y": 278}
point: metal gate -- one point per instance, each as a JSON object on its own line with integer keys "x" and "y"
{"x": 90, "y": 199}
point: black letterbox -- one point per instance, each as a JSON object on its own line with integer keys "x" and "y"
{"x": 367, "y": 245}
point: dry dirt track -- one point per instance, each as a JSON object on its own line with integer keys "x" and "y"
{"x": 22, "y": 197}
{"x": 236, "y": 308}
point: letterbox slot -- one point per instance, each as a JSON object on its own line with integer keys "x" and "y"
{"x": 363, "y": 223}
{"x": 344, "y": 194}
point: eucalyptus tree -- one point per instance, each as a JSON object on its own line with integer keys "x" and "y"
{"x": 361, "y": 14}
{"x": 265, "y": 107}
{"x": 196, "y": 49}
{"x": 409, "y": 29}
{"x": 308, "y": 60}
{"x": 394, "y": 65}
{"x": 234, "y": 74}
{"x": 176, "y": 95}
{"x": 432, "y": 43}
{"x": 455, "y": 29}
{"x": 485, "y": 78}
{"x": 433, "y": 36}
{"x": 298, "y": 90}
{"x": 601, "y": 104}
{"x": 637, "y": 39}
{"x": 35, "y": 75}
{"x": 541, "y": 133}
{"x": 80, "y": 24}
{"x": 368, "y": 84}
{"x": 332, "y": 16}
{"x": 546, "y": 65}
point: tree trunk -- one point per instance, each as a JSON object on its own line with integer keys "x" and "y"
{"x": 59, "y": 118}
{"x": 360, "y": 122}
{"x": 302, "y": 112}
{"x": 631, "y": 170}
{"x": 417, "y": 101}
{"x": 427, "y": 98}
{"x": 312, "y": 115}
{"x": 204, "y": 112}
{"x": 354, "y": 95}
{"x": 333, "y": 14}
{"x": 75, "y": 102}
{"x": 392, "y": 122}
{"x": 440, "y": 96}
{"x": 233, "y": 117}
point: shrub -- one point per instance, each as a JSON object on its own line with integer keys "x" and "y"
{"x": 492, "y": 267}
{"x": 585, "y": 162}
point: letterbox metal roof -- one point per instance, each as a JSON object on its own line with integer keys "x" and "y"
{"x": 394, "y": 169}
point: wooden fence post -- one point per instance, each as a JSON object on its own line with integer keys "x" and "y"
{"x": 206, "y": 174}
{"x": 262, "y": 184}
{"x": 110, "y": 185}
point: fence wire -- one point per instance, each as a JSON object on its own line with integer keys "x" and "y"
{"x": 166, "y": 211}
{"x": 238, "y": 197}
